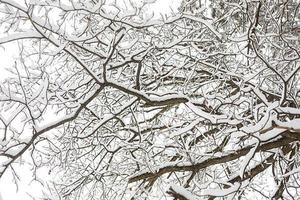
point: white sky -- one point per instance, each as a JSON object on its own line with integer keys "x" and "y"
{"x": 8, "y": 55}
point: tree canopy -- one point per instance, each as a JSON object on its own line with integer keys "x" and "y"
{"x": 202, "y": 103}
